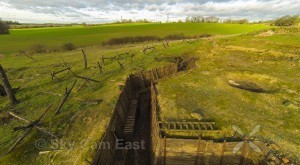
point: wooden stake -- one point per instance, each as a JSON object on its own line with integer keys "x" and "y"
{"x": 37, "y": 127}
{"x": 65, "y": 98}
{"x": 148, "y": 48}
{"x": 121, "y": 65}
{"x": 89, "y": 79}
{"x": 21, "y": 52}
{"x": 223, "y": 150}
{"x": 198, "y": 149}
{"x": 85, "y": 60}
{"x": 86, "y": 80}
{"x": 54, "y": 73}
{"x": 100, "y": 67}
{"x": 9, "y": 91}
{"x": 103, "y": 60}
{"x": 165, "y": 150}
{"x": 18, "y": 141}
{"x": 29, "y": 127}
{"x": 167, "y": 43}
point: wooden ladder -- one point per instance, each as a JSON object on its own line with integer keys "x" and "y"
{"x": 130, "y": 121}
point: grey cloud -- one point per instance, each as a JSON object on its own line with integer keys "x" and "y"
{"x": 251, "y": 9}
{"x": 78, "y": 4}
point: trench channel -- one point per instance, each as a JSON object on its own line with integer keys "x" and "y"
{"x": 130, "y": 131}
{"x": 137, "y": 136}
{"x": 142, "y": 132}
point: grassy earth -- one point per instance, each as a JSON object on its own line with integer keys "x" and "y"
{"x": 270, "y": 61}
{"x": 262, "y": 60}
{"x": 23, "y": 39}
{"x": 80, "y": 125}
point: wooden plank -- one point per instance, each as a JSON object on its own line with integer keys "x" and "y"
{"x": 186, "y": 125}
{"x": 198, "y": 125}
{"x": 180, "y": 125}
{"x": 165, "y": 150}
{"x": 243, "y": 158}
{"x": 198, "y": 150}
{"x": 191, "y": 125}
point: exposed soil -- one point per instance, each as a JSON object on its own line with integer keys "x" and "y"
{"x": 249, "y": 86}
{"x": 267, "y": 33}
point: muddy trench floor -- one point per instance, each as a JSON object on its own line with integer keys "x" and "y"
{"x": 142, "y": 132}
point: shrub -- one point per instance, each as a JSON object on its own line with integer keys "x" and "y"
{"x": 4, "y": 28}
{"x": 175, "y": 36}
{"x": 68, "y": 46}
{"x": 204, "y": 35}
{"x": 126, "y": 40}
{"x": 286, "y": 21}
{"x": 38, "y": 48}
{"x": 137, "y": 39}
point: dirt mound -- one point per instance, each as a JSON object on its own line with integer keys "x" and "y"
{"x": 266, "y": 34}
{"x": 249, "y": 86}
{"x": 1, "y": 56}
{"x": 244, "y": 49}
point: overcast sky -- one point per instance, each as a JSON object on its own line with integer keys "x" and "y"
{"x": 100, "y": 11}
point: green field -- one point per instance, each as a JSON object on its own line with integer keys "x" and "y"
{"x": 23, "y": 39}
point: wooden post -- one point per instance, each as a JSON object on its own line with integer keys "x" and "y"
{"x": 103, "y": 60}
{"x": 85, "y": 60}
{"x": 165, "y": 150}
{"x": 121, "y": 65}
{"x": 9, "y": 91}
{"x": 198, "y": 150}
{"x": 36, "y": 126}
{"x": 100, "y": 67}
{"x": 86, "y": 81}
{"x": 223, "y": 150}
{"x": 243, "y": 160}
{"x": 65, "y": 98}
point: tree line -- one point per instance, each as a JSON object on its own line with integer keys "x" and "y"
{"x": 282, "y": 21}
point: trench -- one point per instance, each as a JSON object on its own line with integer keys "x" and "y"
{"x": 131, "y": 119}
{"x": 136, "y": 123}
